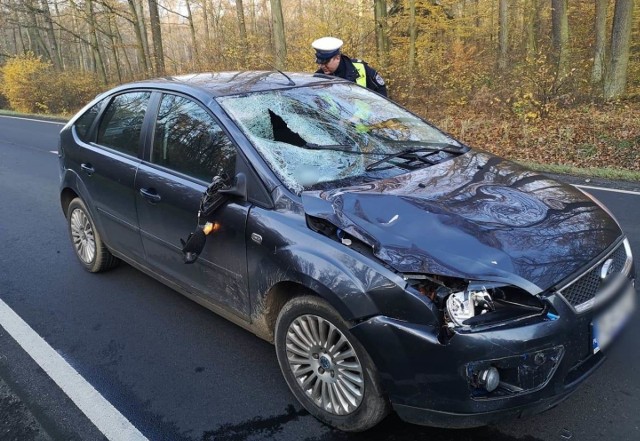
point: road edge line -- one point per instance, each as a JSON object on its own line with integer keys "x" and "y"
{"x": 34, "y": 119}
{"x": 614, "y": 190}
{"x": 108, "y": 420}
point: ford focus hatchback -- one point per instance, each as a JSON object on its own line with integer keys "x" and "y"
{"x": 393, "y": 267}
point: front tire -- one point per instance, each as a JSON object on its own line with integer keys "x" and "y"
{"x": 87, "y": 243}
{"x": 326, "y": 368}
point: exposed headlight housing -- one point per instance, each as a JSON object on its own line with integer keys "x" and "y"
{"x": 466, "y": 304}
{"x": 476, "y": 305}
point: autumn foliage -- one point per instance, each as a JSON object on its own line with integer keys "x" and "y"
{"x": 31, "y": 85}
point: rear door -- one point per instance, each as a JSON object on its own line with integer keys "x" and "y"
{"x": 188, "y": 147}
{"x": 108, "y": 166}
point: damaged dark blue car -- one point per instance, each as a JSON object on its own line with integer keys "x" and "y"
{"x": 392, "y": 266}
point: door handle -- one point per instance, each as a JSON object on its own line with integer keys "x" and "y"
{"x": 150, "y": 194}
{"x": 87, "y": 168}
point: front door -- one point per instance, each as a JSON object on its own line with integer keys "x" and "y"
{"x": 188, "y": 149}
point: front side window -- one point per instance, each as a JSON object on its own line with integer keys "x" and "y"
{"x": 316, "y": 137}
{"x": 188, "y": 140}
{"x": 121, "y": 124}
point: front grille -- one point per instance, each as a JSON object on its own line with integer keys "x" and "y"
{"x": 590, "y": 284}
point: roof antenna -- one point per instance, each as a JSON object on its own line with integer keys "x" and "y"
{"x": 291, "y": 83}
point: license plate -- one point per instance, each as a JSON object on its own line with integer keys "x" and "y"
{"x": 607, "y": 325}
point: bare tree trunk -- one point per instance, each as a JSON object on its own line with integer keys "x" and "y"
{"x": 59, "y": 37}
{"x": 114, "y": 46}
{"x": 51, "y": 36}
{"x": 492, "y": 21}
{"x": 503, "y": 40}
{"x": 140, "y": 47}
{"x": 601, "y": 39}
{"x": 243, "y": 31}
{"x": 412, "y": 35}
{"x": 531, "y": 14}
{"x": 616, "y": 79}
{"x": 15, "y": 40}
{"x": 192, "y": 29}
{"x": 254, "y": 20}
{"x": 205, "y": 23}
{"x": 361, "y": 26}
{"x": 280, "y": 44}
{"x": 139, "y": 7}
{"x": 19, "y": 31}
{"x": 36, "y": 43}
{"x": 95, "y": 47}
{"x": 382, "y": 39}
{"x": 214, "y": 21}
{"x": 79, "y": 60}
{"x": 560, "y": 32}
{"x": 124, "y": 50}
{"x": 156, "y": 36}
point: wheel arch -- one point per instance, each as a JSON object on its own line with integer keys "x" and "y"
{"x": 269, "y": 307}
{"x": 300, "y": 270}
{"x": 66, "y": 196}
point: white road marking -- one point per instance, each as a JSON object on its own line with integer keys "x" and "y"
{"x": 55, "y": 152}
{"x": 32, "y": 119}
{"x": 112, "y": 424}
{"x": 615, "y": 190}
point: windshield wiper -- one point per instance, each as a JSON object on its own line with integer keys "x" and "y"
{"x": 411, "y": 154}
{"x": 343, "y": 148}
{"x": 440, "y": 146}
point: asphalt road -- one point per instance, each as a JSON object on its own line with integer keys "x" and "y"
{"x": 177, "y": 371}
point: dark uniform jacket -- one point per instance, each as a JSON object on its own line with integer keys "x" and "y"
{"x": 347, "y": 70}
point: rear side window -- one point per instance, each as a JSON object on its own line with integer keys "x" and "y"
{"x": 122, "y": 122}
{"x": 188, "y": 140}
{"x": 83, "y": 124}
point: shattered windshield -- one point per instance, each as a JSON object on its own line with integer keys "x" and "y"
{"x": 313, "y": 136}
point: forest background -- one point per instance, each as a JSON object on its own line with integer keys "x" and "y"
{"x": 540, "y": 81}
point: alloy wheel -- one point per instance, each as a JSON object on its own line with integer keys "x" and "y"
{"x": 82, "y": 235}
{"x": 325, "y": 364}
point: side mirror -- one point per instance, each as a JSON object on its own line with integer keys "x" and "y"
{"x": 238, "y": 188}
{"x": 196, "y": 241}
{"x": 218, "y": 192}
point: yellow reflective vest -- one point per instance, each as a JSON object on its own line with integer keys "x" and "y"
{"x": 362, "y": 74}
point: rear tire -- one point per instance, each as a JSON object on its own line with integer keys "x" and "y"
{"x": 87, "y": 243}
{"x": 326, "y": 368}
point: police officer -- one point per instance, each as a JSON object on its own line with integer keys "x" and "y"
{"x": 333, "y": 62}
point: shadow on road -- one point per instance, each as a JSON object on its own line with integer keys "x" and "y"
{"x": 391, "y": 429}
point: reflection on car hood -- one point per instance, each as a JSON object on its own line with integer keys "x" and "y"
{"x": 476, "y": 216}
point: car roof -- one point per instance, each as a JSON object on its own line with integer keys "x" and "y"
{"x": 233, "y": 83}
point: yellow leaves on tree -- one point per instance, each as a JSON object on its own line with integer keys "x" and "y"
{"x": 31, "y": 85}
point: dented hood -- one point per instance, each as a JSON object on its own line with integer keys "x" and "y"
{"x": 476, "y": 216}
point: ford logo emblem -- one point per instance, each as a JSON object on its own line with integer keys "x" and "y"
{"x": 607, "y": 269}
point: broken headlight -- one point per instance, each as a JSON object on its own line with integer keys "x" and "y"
{"x": 483, "y": 305}
{"x": 463, "y": 305}
{"x": 476, "y": 305}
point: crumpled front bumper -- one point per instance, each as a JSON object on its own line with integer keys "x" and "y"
{"x": 430, "y": 382}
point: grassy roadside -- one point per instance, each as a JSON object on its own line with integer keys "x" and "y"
{"x": 589, "y": 140}
{"x": 591, "y": 172}
{"x": 46, "y": 117}
{"x": 602, "y": 173}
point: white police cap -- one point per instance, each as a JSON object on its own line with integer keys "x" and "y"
{"x": 326, "y": 48}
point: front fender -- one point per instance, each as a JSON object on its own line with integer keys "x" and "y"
{"x": 357, "y": 286}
